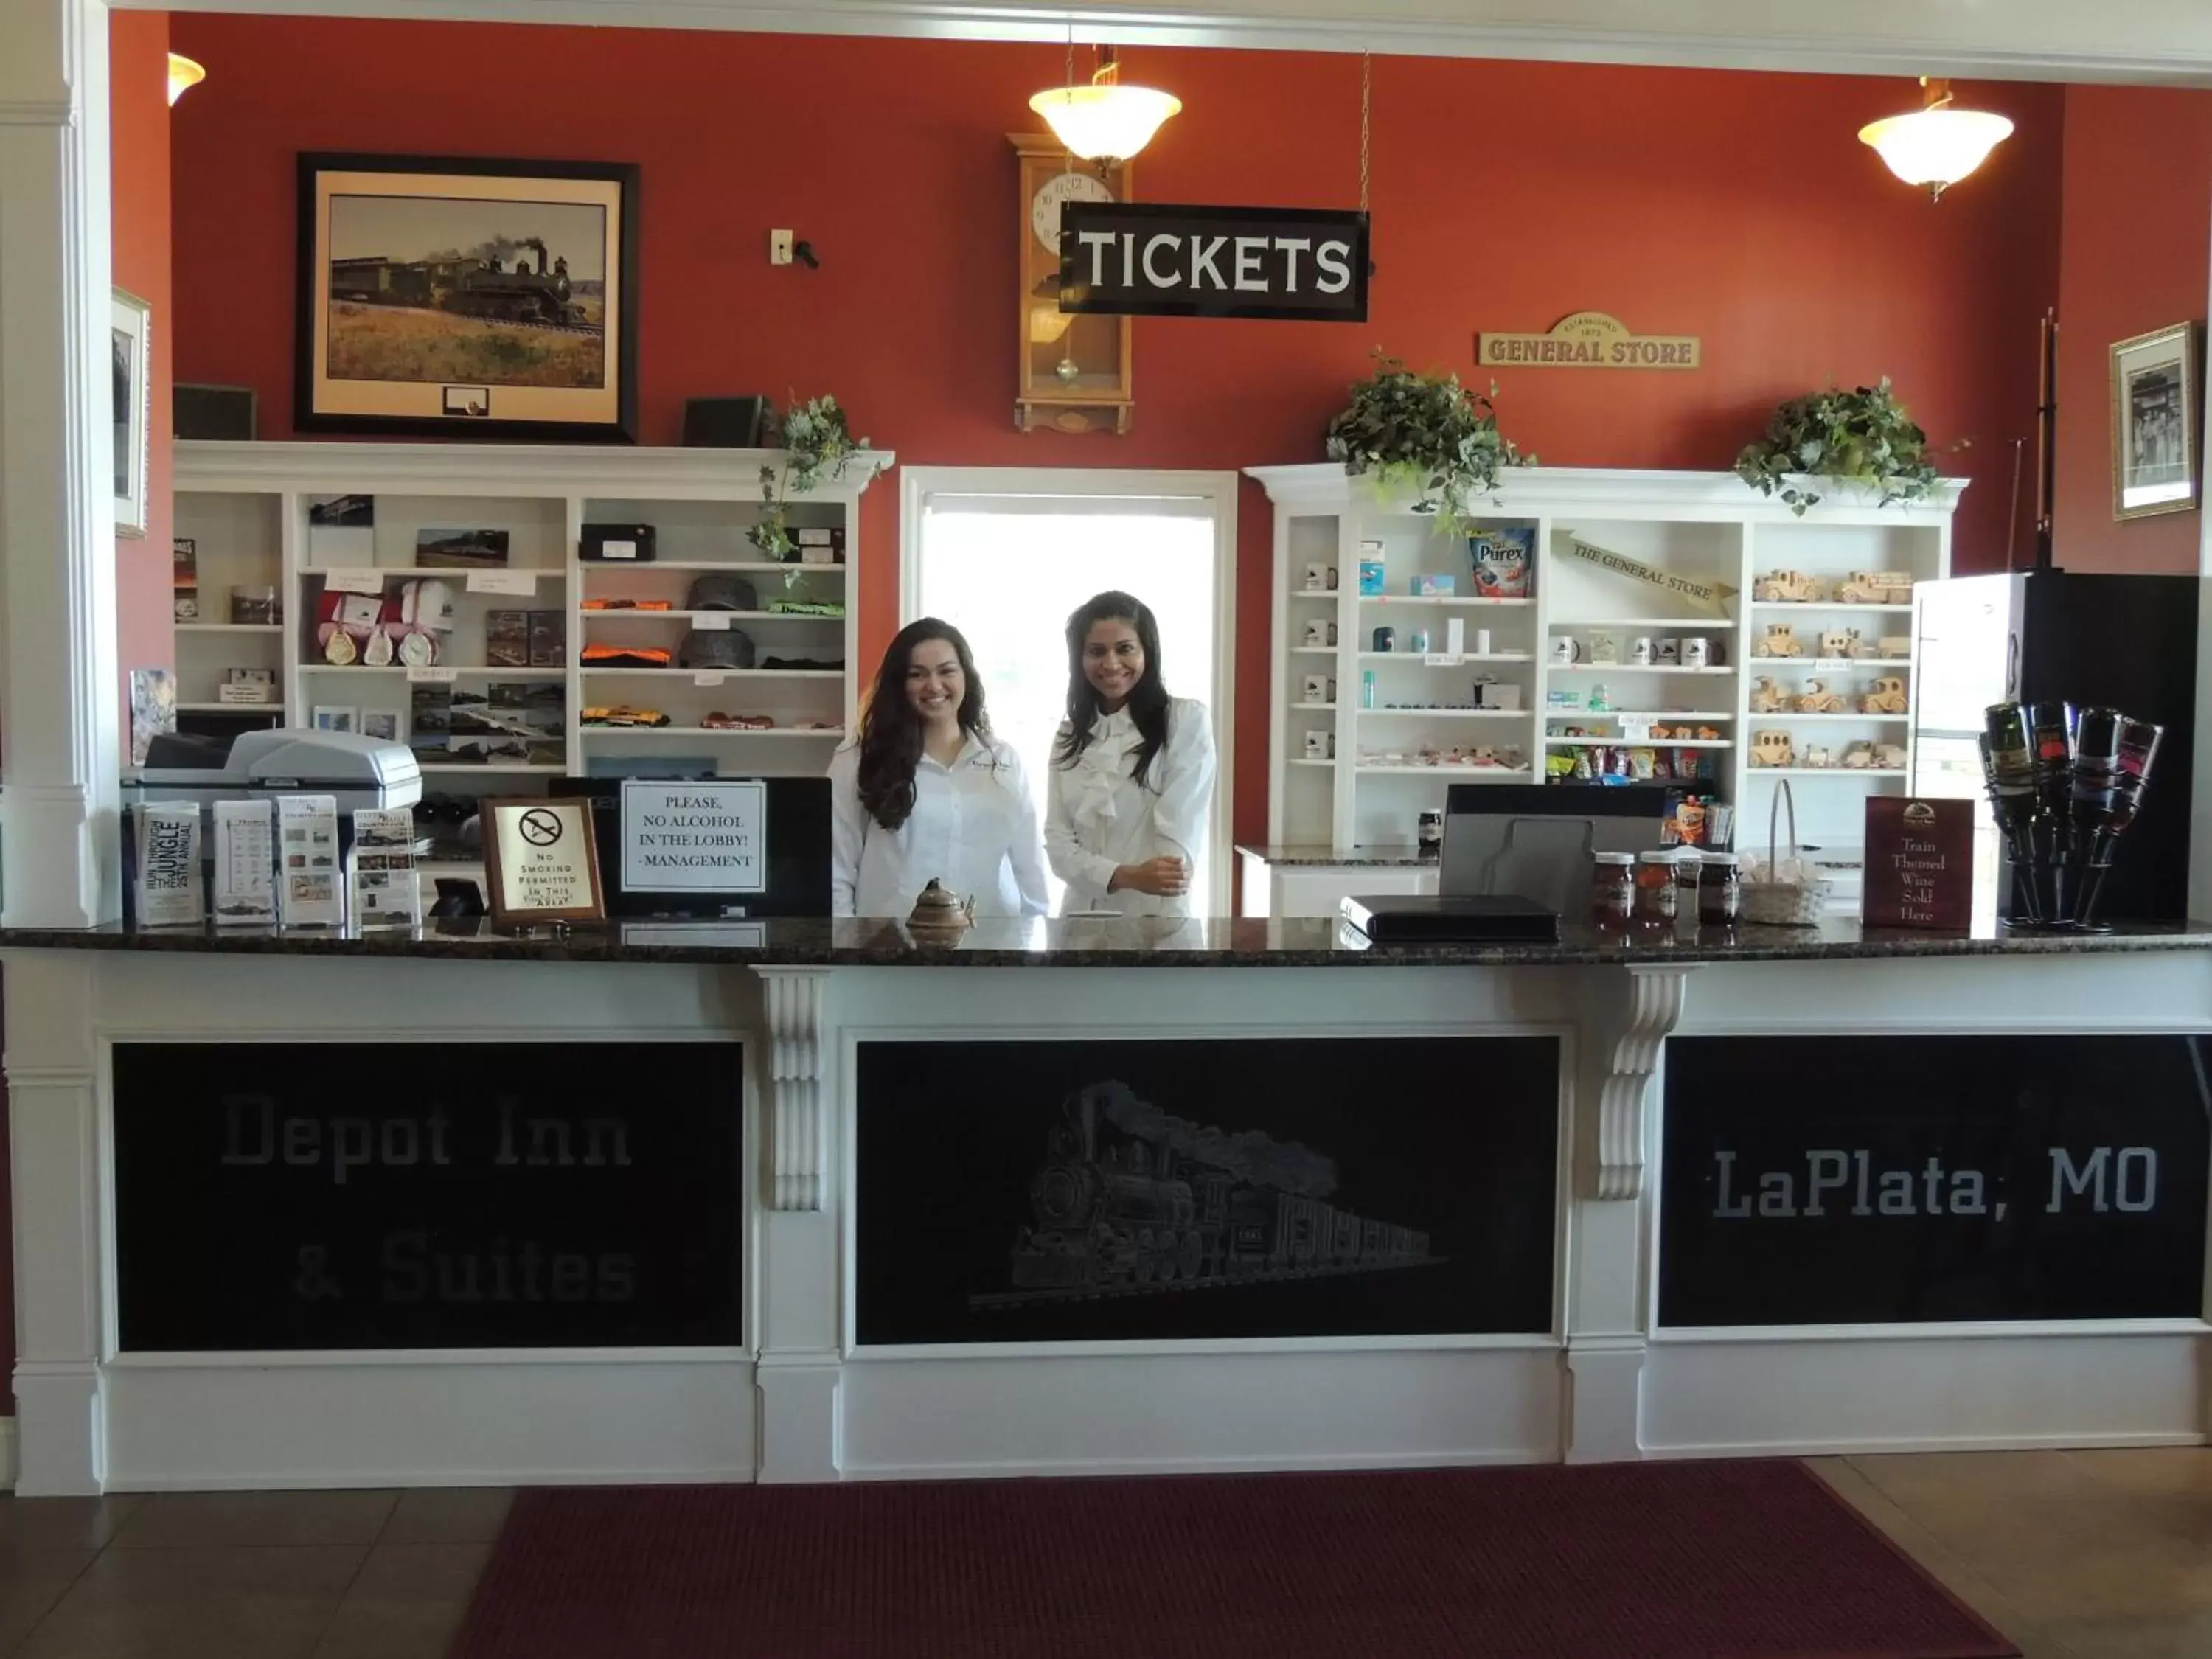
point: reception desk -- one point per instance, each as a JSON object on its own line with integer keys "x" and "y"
{"x": 807, "y": 1200}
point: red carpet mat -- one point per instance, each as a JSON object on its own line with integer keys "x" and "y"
{"x": 1721, "y": 1560}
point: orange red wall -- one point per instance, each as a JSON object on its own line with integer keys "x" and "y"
{"x": 1737, "y": 206}
{"x": 2136, "y": 243}
{"x": 138, "y": 115}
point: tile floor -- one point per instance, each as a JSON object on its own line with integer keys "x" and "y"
{"x": 2073, "y": 1555}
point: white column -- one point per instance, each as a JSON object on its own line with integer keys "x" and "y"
{"x": 53, "y": 1141}
{"x": 802, "y": 1303}
{"x": 1626, "y": 1021}
{"x": 58, "y": 811}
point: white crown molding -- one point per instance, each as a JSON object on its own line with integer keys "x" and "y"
{"x": 2140, "y": 40}
{"x": 612, "y": 471}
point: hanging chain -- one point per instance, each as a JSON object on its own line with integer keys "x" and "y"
{"x": 1067, "y": 81}
{"x": 1365, "y": 85}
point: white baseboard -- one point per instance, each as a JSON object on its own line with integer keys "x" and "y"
{"x": 7, "y": 1453}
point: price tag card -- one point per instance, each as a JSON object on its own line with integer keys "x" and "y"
{"x": 433, "y": 675}
{"x": 1443, "y": 659}
{"x": 353, "y": 581}
{"x": 1634, "y": 730}
{"x": 709, "y": 679}
{"x": 524, "y": 582}
{"x": 711, "y": 621}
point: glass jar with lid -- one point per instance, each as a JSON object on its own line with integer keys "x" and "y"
{"x": 1612, "y": 890}
{"x": 1655, "y": 905}
{"x": 1720, "y": 890}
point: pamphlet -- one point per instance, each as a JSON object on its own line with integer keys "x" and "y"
{"x": 386, "y": 888}
{"x": 169, "y": 893}
{"x": 245, "y": 863}
{"x": 310, "y": 896}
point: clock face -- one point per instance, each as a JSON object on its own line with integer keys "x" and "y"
{"x": 1055, "y": 193}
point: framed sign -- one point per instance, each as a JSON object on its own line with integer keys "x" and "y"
{"x": 541, "y": 862}
{"x": 465, "y": 297}
{"x": 1155, "y": 260}
{"x": 2155, "y": 416}
{"x": 1098, "y": 1190}
{"x": 1919, "y": 864}
{"x": 1894, "y": 1180}
{"x": 710, "y": 837}
{"x": 130, "y": 321}
{"x": 275, "y": 1195}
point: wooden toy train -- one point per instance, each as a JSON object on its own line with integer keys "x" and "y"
{"x": 1131, "y": 1201}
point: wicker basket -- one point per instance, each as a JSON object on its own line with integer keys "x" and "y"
{"x": 1782, "y": 892}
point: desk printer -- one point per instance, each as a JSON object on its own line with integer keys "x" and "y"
{"x": 282, "y": 761}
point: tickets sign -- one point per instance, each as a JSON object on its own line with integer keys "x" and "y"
{"x": 1153, "y": 259}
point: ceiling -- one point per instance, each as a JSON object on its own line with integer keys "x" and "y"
{"x": 2113, "y": 40}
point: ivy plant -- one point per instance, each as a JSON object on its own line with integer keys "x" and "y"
{"x": 1864, "y": 436}
{"x": 817, "y": 441}
{"x": 1427, "y": 431}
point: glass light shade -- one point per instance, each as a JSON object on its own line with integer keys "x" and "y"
{"x": 183, "y": 75}
{"x": 1105, "y": 122}
{"x": 1936, "y": 146}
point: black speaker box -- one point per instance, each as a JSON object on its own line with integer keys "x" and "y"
{"x": 726, "y": 423}
{"x": 214, "y": 411}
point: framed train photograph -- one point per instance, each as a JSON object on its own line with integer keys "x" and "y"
{"x": 443, "y": 295}
{"x": 1217, "y": 1188}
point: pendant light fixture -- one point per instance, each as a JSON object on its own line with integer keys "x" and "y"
{"x": 183, "y": 75}
{"x": 1936, "y": 145}
{"x": 1106, "y": 121}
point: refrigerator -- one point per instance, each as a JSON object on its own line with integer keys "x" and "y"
{"x": 2129, "y": 642}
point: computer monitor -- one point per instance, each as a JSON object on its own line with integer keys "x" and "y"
{"x": 1534, "y": 840}
{"x": 796, "y": 853}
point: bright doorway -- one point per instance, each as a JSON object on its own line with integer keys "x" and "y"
{"x": 1004, "y": 553}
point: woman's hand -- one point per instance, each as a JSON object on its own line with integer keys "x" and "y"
{"x": 1163, "y": 878}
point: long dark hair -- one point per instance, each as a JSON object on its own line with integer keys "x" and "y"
{"x": 890, "y": 729}
{"x": 1148, "y": 698}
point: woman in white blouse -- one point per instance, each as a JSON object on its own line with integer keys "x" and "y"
{"x": 926, "y": 792}
{"x": 1132, "y": 769}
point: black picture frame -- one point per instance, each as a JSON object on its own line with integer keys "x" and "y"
{"x": 611, "y": 414}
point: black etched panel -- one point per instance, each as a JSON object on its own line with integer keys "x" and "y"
{"x": 359, "y": 1195}
{"x": 1039, "y": 1191}
{"x": 1846, "y": 1180}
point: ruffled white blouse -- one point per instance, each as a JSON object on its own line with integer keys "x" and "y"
{"x": 1098, "y": 818}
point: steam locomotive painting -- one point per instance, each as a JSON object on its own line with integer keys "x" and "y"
{"x": 1131, "y": 1201}
{"x": 479, "y": 284}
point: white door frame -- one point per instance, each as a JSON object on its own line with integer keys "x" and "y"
{"x": 1217, "y": 489}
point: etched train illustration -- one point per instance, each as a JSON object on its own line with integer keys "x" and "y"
{"x": 1132, "y": 1200}
{"x": 468, "y": 285}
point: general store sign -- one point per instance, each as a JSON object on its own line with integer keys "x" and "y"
{"x": 1156, "y": 260}
{"x": 1587, "y": 339}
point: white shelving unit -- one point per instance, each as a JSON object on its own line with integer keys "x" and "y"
{"x": 247, "y": 507}
{"x": 1709, "y": 528}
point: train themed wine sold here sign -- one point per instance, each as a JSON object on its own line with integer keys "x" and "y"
{"x": 1153, "y": 259}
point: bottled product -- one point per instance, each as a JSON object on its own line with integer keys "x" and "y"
{"x": 1655, "y": 906}
{"x": 1612, "y": 890}
{"x": 1720, "y": 890}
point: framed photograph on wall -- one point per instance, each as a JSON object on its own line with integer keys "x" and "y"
{"x": 444, "y": 294}
{"x": 328, "y": 718}
{"x": 129, "y": 321}
{"x": 2157, "y": 414}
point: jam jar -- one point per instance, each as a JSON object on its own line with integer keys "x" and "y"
{"x": 1654, "y": 889}
{"x": 1612, "y": 890}
{"x": 1720, "y": 891}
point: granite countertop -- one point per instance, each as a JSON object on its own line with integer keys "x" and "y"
{"x": 1079, "y": 942}
{"x": 1373, "y": 858}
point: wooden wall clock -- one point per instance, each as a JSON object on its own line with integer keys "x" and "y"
{"x": 1074, "y": 374}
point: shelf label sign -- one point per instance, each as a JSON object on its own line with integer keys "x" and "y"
{"x": 1155, "y": 260}
{"x": 694, "y": 837}
{"x": 524, "y": 582}
{"x": 1587, "y": 339}
{"x": 353, "y": 581}
{"x": 1710, "y": 596}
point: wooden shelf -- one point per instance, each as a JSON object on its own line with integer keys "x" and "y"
{"x": 1419, "y": 659}
{"x": 1315, "y": 708}
{"x": 231, "y": 628}
{"x": 1833, "y": 664}
{"x": 590, "y": 730}
{"x": 591, "y": 567}
{"x": 1780, "y": 607}
{"x": 740, "y": 615}
{"x": 1667, "y": 715}
{"x": 1711, "y": 624}
{"x": 470, "y": 670}
{"x": 447, "y": 768}
{"x": 1442, "y": 771}
{"x": 1861, "y": 719}
{"x": 1638, "y": 742}
{"x": 1632, "y": 668}
{"x": 1823, "y": 772}
{"x": 1302, "y": 761}
{"x": 449, "y": 574}
{"x": 674, "y": 674}
{"x": 1449, "y": 713}
{"x": 1442, "y": 599}
{"x": 1313, "y": 650}
{"x": 262, "y": 708}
